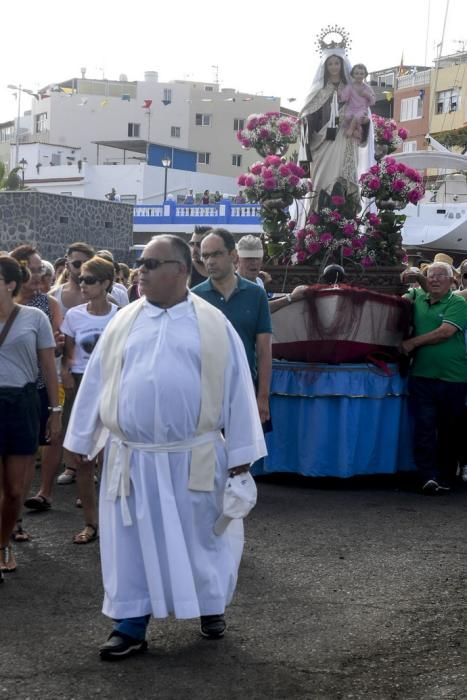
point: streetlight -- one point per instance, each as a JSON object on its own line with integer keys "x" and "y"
{"x": 166, "y": 162}
{"x": 23, "y": 162}
{"x": 19, "y": 90}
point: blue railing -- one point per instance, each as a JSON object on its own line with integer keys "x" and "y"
{"x": 224, "y": 213}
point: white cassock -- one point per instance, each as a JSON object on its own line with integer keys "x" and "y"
{"x": 169, "y": 561}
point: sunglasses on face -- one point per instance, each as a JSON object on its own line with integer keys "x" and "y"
{"x": 154, "y": 263}
{"x": 88, "y": 280}
{"x": 75, "y": 263}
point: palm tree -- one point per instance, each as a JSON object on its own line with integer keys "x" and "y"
{"x": 10, "y": 181}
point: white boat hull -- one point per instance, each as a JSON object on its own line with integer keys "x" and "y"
{"x": 434, "y": 226}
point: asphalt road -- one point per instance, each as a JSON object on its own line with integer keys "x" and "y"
{"x": 346, "y": 591}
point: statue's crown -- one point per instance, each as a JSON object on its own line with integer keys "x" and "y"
{"x": 333, "y": 37}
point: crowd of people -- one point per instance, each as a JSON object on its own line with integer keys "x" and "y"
{"x": 159, "y": 377}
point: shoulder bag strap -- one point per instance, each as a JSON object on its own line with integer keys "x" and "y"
{"x": 8, "y": 324}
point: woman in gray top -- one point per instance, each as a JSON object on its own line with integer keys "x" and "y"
{"x": 28, "y": 345}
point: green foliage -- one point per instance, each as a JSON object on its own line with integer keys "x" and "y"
{"x": 454, "y": 138}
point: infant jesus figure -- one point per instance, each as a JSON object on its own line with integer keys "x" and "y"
{"x": 358, "y": 97}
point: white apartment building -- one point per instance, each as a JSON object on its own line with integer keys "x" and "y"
{"x": 201, "y": 117}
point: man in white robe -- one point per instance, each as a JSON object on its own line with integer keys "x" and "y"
{"x": 168, "y": 560}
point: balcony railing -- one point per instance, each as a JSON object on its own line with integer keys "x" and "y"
{"x": 414, "y": 79}
{"x": 224, "y": 213}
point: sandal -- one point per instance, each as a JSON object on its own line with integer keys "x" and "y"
{"x": 68, "y": 476}
{"x": 18, "y": 534}
{"x": 89, "y": 534}
{"x": 39, "y": 503}
{"x": 5, "y": 553}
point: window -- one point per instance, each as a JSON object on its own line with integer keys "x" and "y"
{"x": 239, "y": 124}
{"x": 386, "y": 80}
{"x": 204, "y": 158}
{"x": 203, "y": 119}
{"x": 411, "y": 108}
{"x": 175, "y": 132}
{"x": 167, "y": 96}
{"x": 41, "y": 122}
{"x": 236, "y": 160}
{"x": 6, "y": 134}
{"x": 133, "y": 129}
{"x": 208, "y": 88}
{"x": 447, "y": 101}
{"x": 409, "y": 146}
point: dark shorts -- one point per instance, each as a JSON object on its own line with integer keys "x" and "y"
{"x": 43, "y": 414}
{"x": 19, "y": 420}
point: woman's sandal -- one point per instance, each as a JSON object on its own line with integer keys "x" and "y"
{"x": 5, "y": 554}
{"x": 18, "y": 534}
{"x": 89, "y": 534}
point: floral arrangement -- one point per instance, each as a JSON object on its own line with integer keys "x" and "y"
{"x": 390, "y": 181}
{"x": 331, "y": 236}
{"x": 270, "y": 133}
{"x": 274, "y": 174}
{"x": 275, "y": 183}
{"x": 387, "y": 133}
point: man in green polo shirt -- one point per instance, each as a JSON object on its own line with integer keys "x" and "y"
{"x": 246, "y": 306}
{"x": 438, "y": 378}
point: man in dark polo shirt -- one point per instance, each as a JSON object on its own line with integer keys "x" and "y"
{"x": 198, "y": 271}
{"x": 246, "y": 306}
{"x": 438, "y": 377}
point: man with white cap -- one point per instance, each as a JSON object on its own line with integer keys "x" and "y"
{"x": 250, "y": 258}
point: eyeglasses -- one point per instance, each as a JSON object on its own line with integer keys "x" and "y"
{"x": 88, "y": 280}
{"x": 154, "y": 263}
{"x": 437, "y": 277}
{"x": 75, "y": 263}
{"x": 194, "y": 244}
{"x": 215, "y": 254}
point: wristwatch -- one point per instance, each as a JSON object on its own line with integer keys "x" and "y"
{"x": 289, "y": 298}
{"x": 56, "y": 409}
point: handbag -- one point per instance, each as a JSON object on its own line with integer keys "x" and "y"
{"x": 8, "y": 324}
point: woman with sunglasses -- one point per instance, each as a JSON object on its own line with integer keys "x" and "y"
{"x": 30, "y": 294}
{"x": 27, "y": 345}
{"x": 82, "y": 327}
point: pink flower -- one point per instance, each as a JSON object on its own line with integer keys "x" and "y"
{"x": 270, "y": 184}
{"x": 301, "y": 235}
{"x": 285, "y": 128}
{"x": 241, "y": 180}
{"x": 348, "y": 229}
{"x": 402, "y": 133}
{"x": 246, "y": 143}
{"x": 326, "y": 238}
{"x": 250, "y": 180}
{"x": 401, "y": 168}
{"x": 264, "y": 133}
{"x": 357, "y": 243}
{"x": 301, "y": 256}
{"x": 387, "y": 135}
{"x": 284, "y": 170}
{"x": 391, "y": 169}
{"x": 273, "y": 160}
{"x": 335, "y": 216}
{"x": 252, "y": 124}
{"x": 347, "y": 252}
{"x": 267, "y": 173}
{"x": 373, "y": 219}
{"x": 374, "y": 169}
{"x": 337, "y": 200}
{"x": 293, "y": 180}
{"x": 314, "y": 247}
{"x": 390, "y": 161}
{"x": 256, "y": 168}
{"x": 313, "y": 218}
{"x": 374, "y": 183}
{"x": 414, "y": 196}
{"x": 291, "y": 225}
{"x": 398, "y": 185}
{"x": 262, "y": 120}
{"x": 367, "y": 261}
{"x": 296, "y": 169}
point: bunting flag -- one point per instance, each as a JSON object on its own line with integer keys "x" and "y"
{"x": 104, "y": 103}
{"x": 83, "y": 102}
{"x": 246, "y": 99}
{"x": 147, "y": 104}
{"x": 230, "y": 99}
{"x": 67, "y": 91}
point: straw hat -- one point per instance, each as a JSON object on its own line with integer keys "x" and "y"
{"x": 444, "y": 258}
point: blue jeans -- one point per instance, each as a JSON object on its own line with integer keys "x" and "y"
{"x": 133, "y": 626}
{"x": 437, "y": 408}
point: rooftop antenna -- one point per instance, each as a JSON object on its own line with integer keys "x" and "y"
{"x": 216, "y": 74}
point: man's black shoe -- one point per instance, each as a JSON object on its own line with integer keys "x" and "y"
{"x": 212, "y": 626}
{"x": 119, "y": 646}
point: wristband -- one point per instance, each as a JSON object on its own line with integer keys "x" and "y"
{"x": 56, "y": 409}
